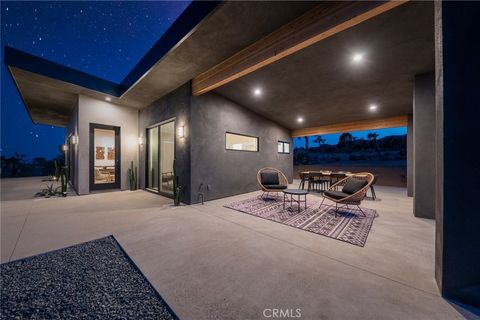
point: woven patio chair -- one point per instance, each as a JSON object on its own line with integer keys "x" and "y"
{"x": 353, "y": 190}
{"x": 271, "y": 180}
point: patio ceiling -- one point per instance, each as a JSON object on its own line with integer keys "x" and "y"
{"x": 321, "y": 84}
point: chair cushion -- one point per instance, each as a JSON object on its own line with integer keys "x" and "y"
{"x": 353, "y": 185}
{"x": 336, "y": 194}
{"x": 269, "y": 178}
{"x": 275, "y": 186}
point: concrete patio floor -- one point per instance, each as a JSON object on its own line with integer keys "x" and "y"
{"x": 210, "y": 262}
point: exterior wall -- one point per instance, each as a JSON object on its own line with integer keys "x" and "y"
{"x": 410, "y": 159}
{"x": 174, "y": 105}
{"x": 217, "y": 172}
{"x": 91, "y": 110}
{"x": 457, "y": 259}
{"x": 424, "y": 146}
{"x": 72, "y": 130}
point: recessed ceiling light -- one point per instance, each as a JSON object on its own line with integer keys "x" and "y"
{"x": 357, "y": 58}
{"x": 257, "y": 92}
{"x": 299, "y": 119}
{"x": 108, "y": 99}
{"x": 373, "y": 107}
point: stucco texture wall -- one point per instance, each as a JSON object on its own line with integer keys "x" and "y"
{"x": 217, "y": 172}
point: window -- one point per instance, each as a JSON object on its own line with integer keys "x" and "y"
{"x": 241, "y": 142}
{"x": 283, "y": 147}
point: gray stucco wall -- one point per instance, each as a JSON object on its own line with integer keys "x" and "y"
{"x": 424, "y": 146}
{"x": 458, "y": 171}
{"x": 410, "y": 162}
{"x": 222, "y": 172}
{"x": 175, "y": 105}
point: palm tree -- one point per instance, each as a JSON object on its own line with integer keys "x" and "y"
{"x": 372, "y": 136}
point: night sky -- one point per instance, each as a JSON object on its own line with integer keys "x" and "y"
{"x": 105, "y": 39}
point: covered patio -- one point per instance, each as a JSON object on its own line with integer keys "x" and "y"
{"x": 208, "y": 261}
{"x": 303, "y": 71}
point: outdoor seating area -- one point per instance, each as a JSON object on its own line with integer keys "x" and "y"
{"x": 341, "y": 188}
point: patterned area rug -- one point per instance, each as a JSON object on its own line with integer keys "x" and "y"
{"x": 92, "y": 280}
{"x": 347, "y": 225}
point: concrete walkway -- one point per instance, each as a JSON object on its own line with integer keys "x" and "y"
{"x": 209, "y": 262}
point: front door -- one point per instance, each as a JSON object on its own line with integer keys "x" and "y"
{"x": 160, "y": 158}
{"x": 104, "y": 157}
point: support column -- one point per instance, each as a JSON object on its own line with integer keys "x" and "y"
{"x": 424, "y": 146}
{"x": 410, "y": 162}
{"x": 457, "y": 260}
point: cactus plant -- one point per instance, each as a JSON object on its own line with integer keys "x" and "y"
{"x": 132, "y": 177}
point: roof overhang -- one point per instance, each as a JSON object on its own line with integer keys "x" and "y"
{"x": 205, "y": 34}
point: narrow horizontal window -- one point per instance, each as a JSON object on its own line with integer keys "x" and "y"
{"x": 240, "y": 142}
{"x": 283, "y": 147}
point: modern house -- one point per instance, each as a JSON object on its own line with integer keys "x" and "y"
{"x": 226, "y": 89}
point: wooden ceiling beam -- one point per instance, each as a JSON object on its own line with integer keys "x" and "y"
{"x": 321, "y": 22}
{"x": 372, "y": 124}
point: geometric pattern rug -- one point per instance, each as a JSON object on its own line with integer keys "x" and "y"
{"x": 347, "y": 225}
{"x": 91, "y": 280}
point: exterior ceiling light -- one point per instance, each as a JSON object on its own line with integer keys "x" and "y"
{"x": 108, "y": 99}
{"x": 257, "y": 92}
{"x": 357, "y": 58}
{"x": 373, "y": 108}
{"x": 299, "y": 119}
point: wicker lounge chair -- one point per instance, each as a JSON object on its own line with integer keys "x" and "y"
{"x": 353, "y": 190}
{"x": 271, "y": 180}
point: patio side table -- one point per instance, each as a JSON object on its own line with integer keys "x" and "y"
{"x": 292, "y": 193}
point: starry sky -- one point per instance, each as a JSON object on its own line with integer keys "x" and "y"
{"x": 105, "y": 39}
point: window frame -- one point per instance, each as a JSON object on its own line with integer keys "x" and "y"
{"x": 244, "y": 135}
{"x": 283, "y": 147}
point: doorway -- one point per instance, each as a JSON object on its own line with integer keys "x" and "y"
{"x": 104, "y": 157}
{"x": 160, "y": 158}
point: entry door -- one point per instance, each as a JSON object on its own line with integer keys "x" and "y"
{"x": 104, "y": 157}
{"x": 160, "y": 158}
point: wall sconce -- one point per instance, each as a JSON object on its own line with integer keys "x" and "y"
{"x": 140, "y": 141}
{"x": 74, "y": 139}
{"x": 65, "y": 147}
{"x": 181, "y": 131}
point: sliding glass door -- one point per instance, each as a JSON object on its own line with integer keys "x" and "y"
{"x": 152, "y": 158}
{"x": 160, "y": 157}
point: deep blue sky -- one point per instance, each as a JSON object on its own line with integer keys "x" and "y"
{"x": 333, "y": 138}
{"x": 105, "y": 39}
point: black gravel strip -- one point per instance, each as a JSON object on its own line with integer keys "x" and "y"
{"x": 92, "y": 280}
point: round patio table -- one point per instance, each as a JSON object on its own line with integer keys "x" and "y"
{"x": 292, "y": 193}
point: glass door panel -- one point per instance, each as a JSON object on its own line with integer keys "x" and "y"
{"x": 152, "y": 158}
{"x": 104, "y": 165}
{"x": 104, "y": 156}
{"x": 167, "y": 155}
